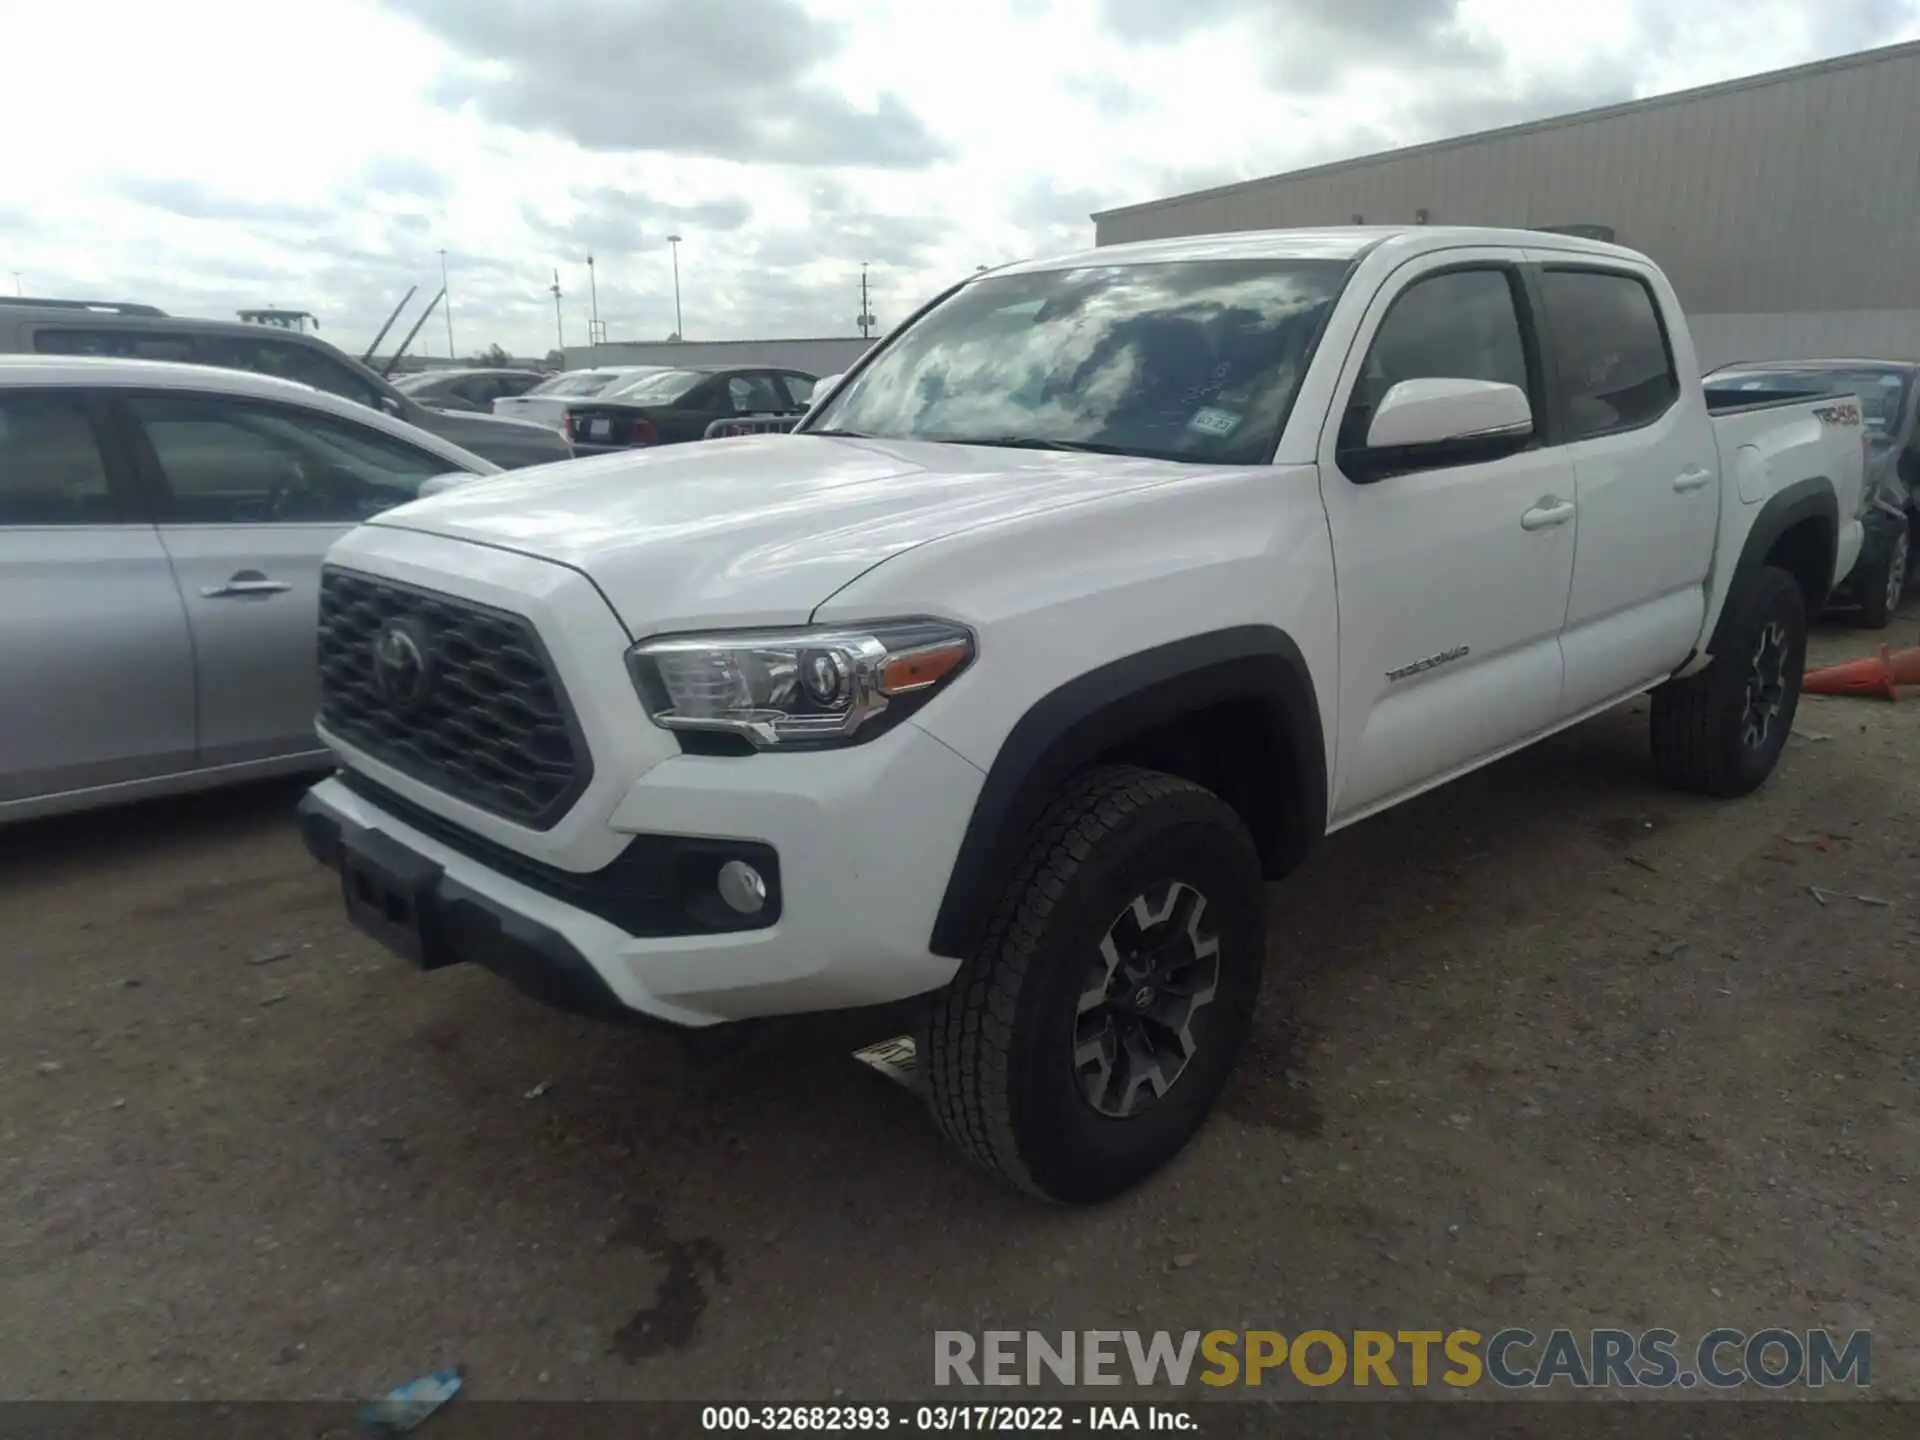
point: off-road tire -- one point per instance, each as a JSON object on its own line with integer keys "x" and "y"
{"x": 1699, "y": 723}
{"x": 1000, "y": 1073}
{"x": 1874, "y": 583}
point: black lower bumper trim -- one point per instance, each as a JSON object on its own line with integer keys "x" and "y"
{"x": 407, "y": 903}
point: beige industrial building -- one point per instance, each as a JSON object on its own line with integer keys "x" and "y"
{"x": 1785, "y": 206}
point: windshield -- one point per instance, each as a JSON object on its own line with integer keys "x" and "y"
{"x": 575, "y": 382}
{"x": 1194, "y": 361}
{"x": 660, "y": 389}
{"x": 1882, "y": 392}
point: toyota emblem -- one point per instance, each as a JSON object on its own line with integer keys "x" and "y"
{"x": 400, "y": 666}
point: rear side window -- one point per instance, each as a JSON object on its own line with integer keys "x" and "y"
{"x": 1614, "y": 365}
{"x": 51, "y": 470}
{"x": 800, "y": 387}
{"x": 117, "y": 344}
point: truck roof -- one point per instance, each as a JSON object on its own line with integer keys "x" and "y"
{"x": 1333, "y": 242}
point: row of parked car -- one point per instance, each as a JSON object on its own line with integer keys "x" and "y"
{"x": 168, "y": 488}
{"x": 621, "y": 407}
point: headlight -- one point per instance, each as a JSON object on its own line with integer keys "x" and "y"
{"x": 795, "y": 689}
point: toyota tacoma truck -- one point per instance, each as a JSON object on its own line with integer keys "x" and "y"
{"x": 1083, "y": 605}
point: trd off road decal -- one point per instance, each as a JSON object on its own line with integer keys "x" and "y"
{"x": 1847, "y": 415}
{"x": 1458, "y": 652}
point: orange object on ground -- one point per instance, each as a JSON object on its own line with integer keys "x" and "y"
{"x": 1905, "y": 665}
{"x": 1871, "y": 676}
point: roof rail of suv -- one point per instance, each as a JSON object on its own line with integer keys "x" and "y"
{"x": 100, "y": 307}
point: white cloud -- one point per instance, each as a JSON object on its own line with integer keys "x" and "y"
{"x": 213, "y": 154}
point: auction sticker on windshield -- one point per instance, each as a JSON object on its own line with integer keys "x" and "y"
{"x": 1214, "y": 422}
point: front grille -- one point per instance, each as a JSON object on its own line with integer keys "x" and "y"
{"x": 483, "y": 718}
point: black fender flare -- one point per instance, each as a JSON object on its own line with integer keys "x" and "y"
{"x": 1811, "y": 499}
{"x": 1064, "y": 730}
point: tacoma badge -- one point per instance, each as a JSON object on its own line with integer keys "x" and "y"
{"x": 1417, "y": 666}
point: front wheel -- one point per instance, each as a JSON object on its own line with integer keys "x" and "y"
{"x": 1721, "y": 731}
{"x": 1083, "y": 1045}
{"x": 1882, "y": 584}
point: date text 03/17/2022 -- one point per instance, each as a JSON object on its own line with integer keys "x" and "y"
{"x": 940, "y": 1419}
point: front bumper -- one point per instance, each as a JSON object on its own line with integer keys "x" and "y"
{"x": 858, "y": 844}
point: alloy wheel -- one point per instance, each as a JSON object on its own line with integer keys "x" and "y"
{"x": 1157, "y": 968}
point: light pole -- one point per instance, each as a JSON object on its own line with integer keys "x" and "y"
{"x": 866, "y": 309}
{"x": 17, "y": 290}
{"x": 596, "y": 333}
{"x": 446, "y": 297}
{"x": 679, "y": 326}
{"x": 559, "y": 328}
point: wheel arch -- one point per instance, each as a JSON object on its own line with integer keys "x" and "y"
{"x": 1246, "y": 686}
{"x": 1797, "y": 529}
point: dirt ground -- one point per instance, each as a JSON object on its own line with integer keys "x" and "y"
{"x": 1550, "y": 1046}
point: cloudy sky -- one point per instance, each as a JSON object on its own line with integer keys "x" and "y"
{"x": 210, "y": 154}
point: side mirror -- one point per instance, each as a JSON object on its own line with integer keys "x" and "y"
{"x": 391, "y": 404}
{"x": 1417, "y": 414}
{"x": 822, "y": 386}
{"x": 1427, "y": 424}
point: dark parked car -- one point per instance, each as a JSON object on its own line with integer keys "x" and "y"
{"x": 141, "y": 332}
{"x": 1889, "y": 392}
{"x": 678, "y": 405}
{"x": 473, "y": 390}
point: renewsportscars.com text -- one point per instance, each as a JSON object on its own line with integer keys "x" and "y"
{"x": 1513, "y": 1358}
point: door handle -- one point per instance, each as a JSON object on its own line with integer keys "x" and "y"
{"x": 247, "y": 582}
{"x": 1692, "y": 479}
{"x": 1548, "y": 513}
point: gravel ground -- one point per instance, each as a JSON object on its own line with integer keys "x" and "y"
{"x": 1550, "y": 1046}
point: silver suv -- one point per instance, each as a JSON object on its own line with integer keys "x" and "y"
{"x": 141, "y": 332}
{"x": 161, "y": 532}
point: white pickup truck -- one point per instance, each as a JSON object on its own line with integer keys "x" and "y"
{"x": 1089, "y": 600}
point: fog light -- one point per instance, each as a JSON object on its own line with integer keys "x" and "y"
{"x": 742, "y": 888}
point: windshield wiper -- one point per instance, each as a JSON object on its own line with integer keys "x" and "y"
{"x": 842, "y": 434}
{"x": 1034, "y": 442}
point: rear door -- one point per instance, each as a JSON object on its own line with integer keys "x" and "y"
{"x": 96, "y": 667}
{"x": 690, "y": 414}
{"x": 251, "y": 494}
{"x": 1646, "y": 472}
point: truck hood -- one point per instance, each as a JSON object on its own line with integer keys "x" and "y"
{"x": 761, "y": 529}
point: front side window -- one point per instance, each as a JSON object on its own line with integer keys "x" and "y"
{"x": 753, "y": 395}
{"x": 1195, "y": 361}
{"x": 1609, "y": 349}
{"x": 1457, "y": 325}
{"x": 243, "y": 462}
{"x": 51, "y": 471}
{"x": 302, "y": 363}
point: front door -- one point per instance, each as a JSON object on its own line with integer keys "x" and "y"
{"x": 252, "y": 493}
{"x": 1452, "y": 580}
